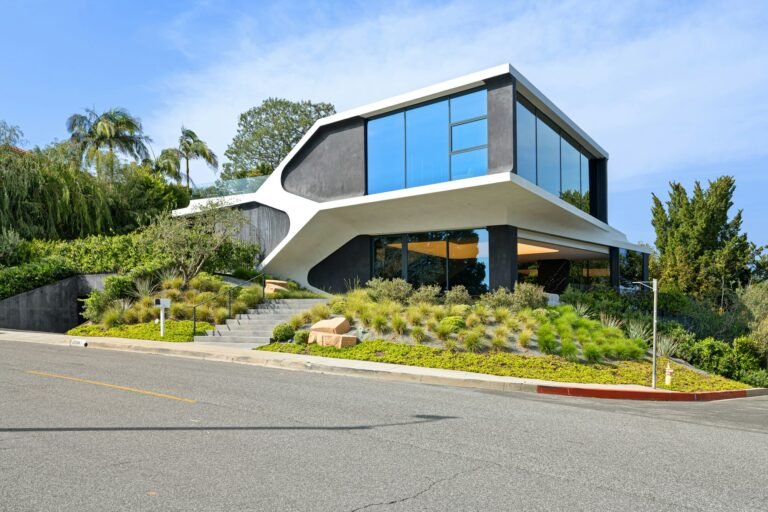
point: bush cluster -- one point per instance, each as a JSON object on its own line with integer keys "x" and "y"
{"x": 22, "y": 278}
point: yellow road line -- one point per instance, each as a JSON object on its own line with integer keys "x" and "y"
{"x": 113, "y": 386}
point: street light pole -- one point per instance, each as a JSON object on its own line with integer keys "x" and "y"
{"x": 655, "y": 287}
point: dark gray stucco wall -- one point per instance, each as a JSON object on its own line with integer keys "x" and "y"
{"x": 51, "y": 308}
{"x": 332, "y": 165}
{"x": 350, "y": 263}
{"x": 266, "y": 226}
{"x": 502, "y": 246}
{"x": 613, "y": 266}
{"x": 598, "y": 188}
{"x": 501, "y": 124}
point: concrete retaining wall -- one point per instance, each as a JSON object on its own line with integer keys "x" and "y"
{"x": 50, "y": 308}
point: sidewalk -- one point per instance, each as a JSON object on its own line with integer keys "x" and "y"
{"x": 384, "y": 371}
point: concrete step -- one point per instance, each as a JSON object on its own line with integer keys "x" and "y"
{"x": 257, "y": 321}
{"x": 246, "y": 328}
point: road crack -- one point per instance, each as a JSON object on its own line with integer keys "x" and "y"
{"x": 422, "y": 491}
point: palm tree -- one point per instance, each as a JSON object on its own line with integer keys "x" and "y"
{"x": 168, "y": 164}
{"x": 116, "y": 130}
{"x": 191, "y": 148}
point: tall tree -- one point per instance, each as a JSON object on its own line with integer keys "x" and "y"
{"x": 267, "y": 133}
{"x": 115, "y": 130}
{"x": 702, "y": 251}
{"x": 168, "y": 164}
{"x": 192, "y": 148}
{"x": 11, "y": 135}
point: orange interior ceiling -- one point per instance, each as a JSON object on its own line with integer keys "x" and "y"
{"x": 464, "y": 251}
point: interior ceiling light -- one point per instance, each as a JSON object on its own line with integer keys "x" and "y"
{"x": 456, "y": 251}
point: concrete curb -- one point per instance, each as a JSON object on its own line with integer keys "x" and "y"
{"x": 400, "y": 373}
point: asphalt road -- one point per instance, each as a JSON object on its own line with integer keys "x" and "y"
{"x": 222, "y": 436}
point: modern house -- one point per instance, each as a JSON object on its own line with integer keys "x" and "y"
{"x": 480, "y": 181}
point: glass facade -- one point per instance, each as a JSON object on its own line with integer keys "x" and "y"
{"x": 555, "y": 267}
{"x": 443, "y": 258}
{"x": 439, "y": 141}
{"x": 546, "y": 156}
{"x": 630, "y": 269}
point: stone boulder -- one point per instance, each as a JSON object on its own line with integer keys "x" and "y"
{"x": 325, "y": 339}
{"x": 335, "y": 325}
{"x": 275, "y": 285}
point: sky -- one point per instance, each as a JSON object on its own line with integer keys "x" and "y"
{"x": 674, "y": 91}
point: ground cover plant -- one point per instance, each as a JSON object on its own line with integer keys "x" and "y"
{"x": 175, "y": 331}
{"x": 551, "y": 368}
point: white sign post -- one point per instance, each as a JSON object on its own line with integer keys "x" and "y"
{"x": 654, "y": 285}
{"x": 162, "y": 304}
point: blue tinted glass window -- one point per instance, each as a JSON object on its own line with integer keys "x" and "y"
{"x": 547, "y": 157}
{"x": 469, "y": 164}
{"x": 526, "y": 143}
{"x": 386, "y": 153}
{"x": 426, "y": 131}
{"x": 469, "y": 135}
{"x": 571, "y": 173}
{"x": 469, "y": 106}
{"x": 584, "y": 183}
{"x": 469, "y": 260}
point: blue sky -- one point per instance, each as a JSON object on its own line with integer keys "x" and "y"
{"x": 673, "y": 90}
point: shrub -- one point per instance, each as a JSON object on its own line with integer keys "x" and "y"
{"x": 452, "y": 324}
{"x": 524, "y": 338}
{"x": 501, "y": 315}
{"x": 396, "y": 290}
{"x": 204, "y": 314}
{"x": 472, "y": 320}
{"x": 425, "y": 294}
{"x": 713, "y": 355}
{"x": 220, "y": 315}
{"x": 755, "y": 378}
{"x": 399, "y": 324}
{"x": 611, "y": 321}
{"x": 319, "y": 312}
{"x": 666, "y": 345}
{"x": 112, "y": 316}
{"x": 499, "y": 298}
{"x": 131, "y": 315}
{"x": 119, "y": 287}
{"x": 95, "y": 305}
{"x": 144, "y": 314}
{"x": 499, "y": 339}
{"x": 338, "y": 305}
{"x": 592, "y": 353}
{"x": 418, "y": 335}
{"x": 172, "y": 283}
{"x": 301, "y": 337}
{"x": 379, "y": 323}
{"x": 252, "y": 295}
{"x": 639, "y": 329}
{"x": 443, "y": 331}
{"x": 12, "y": 248}
{"x": 512, "y": 323}
{"x": 545, "y": 338}
{"x": 457, "y": 295}
{"x": 527, "y": 295}
{"x": 438, "y": 313}
{"x": 414, "y": 315}
{"x": 449, "y": 345}
{"x": 297, "y": 322}
{"x": 282, "y": 332}
{"x": 180, "y": 311}
{"x": 471, "y": 340}
{"x": 206, "y": 282}
{"x": 143, "y": 287}
{"x": 433, "y": 325}
{"x": 239, "y": 307}
{"x": 569, "y": 351}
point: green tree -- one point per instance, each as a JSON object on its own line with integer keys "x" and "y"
{"x": 700, "y": 250}
{"x": 267, "y": 133}
{"x": 11, "y": 135}
{"x": 191, "y": 147}
{"x": 193, "y": 240}
{"x": 115, "y": 131}
{"x": 168, "y": 164}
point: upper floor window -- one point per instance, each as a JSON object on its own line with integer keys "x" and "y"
{"x": 431, "y": 143}
{"x": 546, "y": 156}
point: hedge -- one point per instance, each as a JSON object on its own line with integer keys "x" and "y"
{"x": 22, "y": 278}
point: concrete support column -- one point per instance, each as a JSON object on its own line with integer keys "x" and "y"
{"x": 502, "y": 242}
{"x": 646, "y": 273}
{"x": 501, "y": 124}
{"x": 598, "y": 188}
{"x": 613, "y": 265}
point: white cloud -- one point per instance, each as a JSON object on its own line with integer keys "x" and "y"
{"x": 657, "y": 87}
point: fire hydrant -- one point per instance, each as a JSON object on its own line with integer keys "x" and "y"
{"x": 668, "y": 376}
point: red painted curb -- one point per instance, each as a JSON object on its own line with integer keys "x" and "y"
{"x": 638, "y": 394}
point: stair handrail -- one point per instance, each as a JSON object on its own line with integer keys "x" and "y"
{"x": 228, "y": 291}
